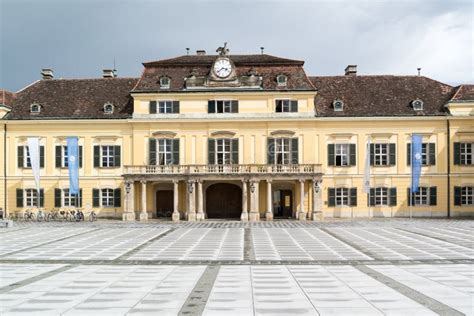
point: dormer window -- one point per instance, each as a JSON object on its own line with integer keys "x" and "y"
{"x": 338, "y": 105}
{"x": 108, "y": 108}
{"x": 417, "y": 105}
{"x": 165, "y": 82}
{"x": 35, "y": 108}
{"x": 282, "y": 80}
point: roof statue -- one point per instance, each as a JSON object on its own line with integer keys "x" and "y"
{"x": 223, "y": 50}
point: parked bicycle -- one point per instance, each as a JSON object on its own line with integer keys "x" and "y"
{"x": 29, "y": 215}
{"x": 92, "y": 216}
{"x": 40, "y": 216}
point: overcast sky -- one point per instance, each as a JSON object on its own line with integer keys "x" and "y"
{"x": 78, "y": 38}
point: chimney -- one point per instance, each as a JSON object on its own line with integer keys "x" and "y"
{"x": 108, "y": 73}
{"x": 47, "y": 73}
{"x": 351, "y": 70}
{"x": 200, "y": 52}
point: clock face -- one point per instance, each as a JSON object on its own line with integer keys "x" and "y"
{"x": 222, "y": 68}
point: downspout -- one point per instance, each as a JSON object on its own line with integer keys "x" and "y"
{"x": 448, "y": 128}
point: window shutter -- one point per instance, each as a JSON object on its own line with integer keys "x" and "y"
{"x": 278, "y": 106}
{"x": 152, "y": 151}
{"x": 96, "y": 156}
{"x": 19, "y": 197}
{"x": 235, "y": 151}
{"x": 117, "y": 157}
{"x": 41, "y": 156}
{"x": 41, "y": 197}
{"x": 211, "y": 106}
{"x": 352, "y": 152}
{"x": 432, "y": 153}
{"x": 80, "y": 156}
{"x": 408, "y": 154}
{"x": 457, "y": 153}
{"x": 353, "y": 194}
{"x": 457, "y": 196}
{"x": 152, "y": 107}
{"x": 393, "y": 197}
{"x": 176, "y": 107}
{"x": 95, "y": 197}
{"x": 117, "y": 197}
{"x": 433, "y": 195}
{"x": 59, "y": 156}
{"x": 57, "y": 197}
{"x": 392, "y": 152}
{"x": 80, "y": 197}
{"x": 372, "y": 154}
{"x": 331, "y": 197}
{"x": 330, "y": 154}
{"x": 294, "y": 106}
{"x": 235, "y": 106}
{"x": 294, "y": 150}
{"x": 270, "y": 150}
{"x": 211, "y": 151}
{"x": 176, "y": 151}
{"x": 21, "y": 158}
{"x": 371, "y": 198}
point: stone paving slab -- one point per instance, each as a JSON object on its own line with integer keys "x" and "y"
{"x": 101, "y": 244}
{"x": 15, "y": 273}
{"x": 459, "y": 236}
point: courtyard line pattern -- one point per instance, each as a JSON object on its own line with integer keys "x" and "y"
{"x": 16, "y": 273}
{"x": 102, "y": 244}
{"x": 461, "y": 237}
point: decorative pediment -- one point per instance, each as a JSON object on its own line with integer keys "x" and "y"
{"x": 222, "y": 134}
{"x": 283, "y": 133}
{"x": 164, "y": 134}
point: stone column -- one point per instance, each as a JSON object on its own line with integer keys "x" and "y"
{"x": 254, "y": 215}
{"x": 200, "y": 208}
{"x": 317, "y": 200}
{"x": 175, "y": 216}
{"x": 143, "y": 213}
{"x": 129, "y": 212}
{"x": 191, "y": 212}
{"x": 245, "y": 214}
{"x": 269, "y": 213}
{"x": 302, "y": 212}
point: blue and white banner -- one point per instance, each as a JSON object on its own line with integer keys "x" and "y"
{"x": 416, "y": 155}
{"x": 73, "y": 164}
{"x": 34, "y": 152}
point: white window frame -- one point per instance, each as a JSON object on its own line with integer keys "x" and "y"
{"x": 107, "y": 159}
{"x": 283, "y": 82}
{"x": 107, "y": 197}
{"x": 381, "y": 154}
{"x": 226, "y": 106}
{"x": 108, "y": 108}
{"x": 342, "y": 151}
{"x": 37, "y": 106}
{"x": 165, "y": 107}
{"x": 285, "y": 106}
{"x": 342, "y": 197}
{"x": 282, "y": 151}
{"x": 65, "y": 157}
{"x": 467, "y": 153}
{"x": 68, "y": 199}
{"x": 165, "y": 85}
{"x": 338, "y": 108}
{"x": 31, "y": 197}
{"x": 467, "y": 195}
{"x": 422, "y": 197}
{"x": 223, "y": 151}
{"x": 164, "y": 151}
{"x": 26, "y": 157}
{"x": 381, "y": 196}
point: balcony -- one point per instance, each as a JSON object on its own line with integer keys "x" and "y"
{"x": 250, "y": 170}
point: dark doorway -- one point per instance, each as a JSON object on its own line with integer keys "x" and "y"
{"x": 164, "y": 203}
{"x": 282, "y": 203}
{"x": 223, "y": 200}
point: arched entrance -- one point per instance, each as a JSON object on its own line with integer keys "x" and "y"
{"x": 223, "y": 200}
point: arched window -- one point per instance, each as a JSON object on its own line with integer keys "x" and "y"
{"x": 108, "y": 108}
{"x": 282, "y": 80}
{"x": 165, "y": 82}
{"x": 35, "y": 108}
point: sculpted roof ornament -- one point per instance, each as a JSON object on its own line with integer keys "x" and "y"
{"x": 223, "y": 50}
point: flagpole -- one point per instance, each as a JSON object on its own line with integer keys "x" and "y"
{"x": 411, "y": 178}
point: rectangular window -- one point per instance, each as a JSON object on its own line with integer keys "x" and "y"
{"x": 467, "y": 196}
{"x": 27, "y": 162}
{"x": 422, "y": 197}
{"x": 467, "y": 153}
{"x": 223, "y": 151}
{"x": 107, "y": 156}
{"x": 223, "y": 106}
{"x": 342, "y": 197}
{"x": 342, "y": 154}
{"x": 31, "y": 197}
{"x": 65, "y": 162}
{"x": 286, "y": 105}
{"x": 282, "y": 151}
{"x": 381, "y": 196}
{"x": 107, "y": 197}
{"x": 381, "y": 155}
{"x": 69, "y": 199}
{"x": 165, "y": 107}
{"x": 164, "y": 152}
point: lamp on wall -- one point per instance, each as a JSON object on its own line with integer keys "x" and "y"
{"x": 252, "y": 187}
{"x": 128, "y": 187}
{"x": 190, "y": 187}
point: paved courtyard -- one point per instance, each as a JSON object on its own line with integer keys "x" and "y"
{"x": 361, "y": 267}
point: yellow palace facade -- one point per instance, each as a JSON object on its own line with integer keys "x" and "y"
{"x": 248, "y": 137}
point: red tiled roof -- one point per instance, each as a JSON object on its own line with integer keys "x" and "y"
{"x": 464, "y": 92}
{"x": 6, "y": 97}
{"x": 380, "y": 95}
{"x": 239, "y": 60}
